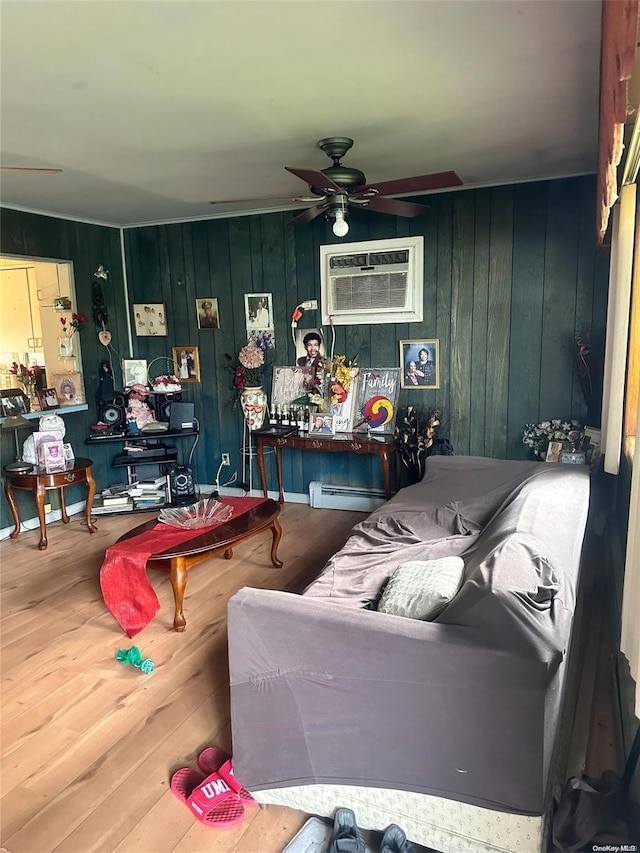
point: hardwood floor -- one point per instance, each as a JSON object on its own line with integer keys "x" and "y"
{"x": 88, "y": 744}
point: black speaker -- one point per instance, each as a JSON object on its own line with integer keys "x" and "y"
{"x": 181, "y": 485}
{"x": 113, "y": 412}
{"x": 182, "y": 415}
{"x": 163, "y": 405}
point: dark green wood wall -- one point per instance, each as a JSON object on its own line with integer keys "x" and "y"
{"x": 510, "y": 274}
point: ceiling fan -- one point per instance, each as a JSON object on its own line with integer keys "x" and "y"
{"x": 29, "y": 169}
{"x": 339, "y": 187}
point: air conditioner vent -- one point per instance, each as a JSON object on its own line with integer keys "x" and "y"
{"x": 374, "y": 282}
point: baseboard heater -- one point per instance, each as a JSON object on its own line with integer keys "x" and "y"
{"x": 358, "y": 498}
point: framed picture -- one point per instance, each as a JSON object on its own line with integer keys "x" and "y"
{"x": 207, "y": 311}
{"x": 320, "y": 424}
{"x": 48, "y": 399}
{"x": 13, "y": 402}
{"x": 150, "y": 319}
{"x": 68, "y": 388}
{"x": 258, "y": 309}
{"x": 591, "y": 446}
{"x": 186, "y": 364}
{"x": 376, "y": 399}
{"x": 69, "y": 455}
{"x": 51, "y": 456}
{"x": 310, "y": 349}
{"x": 420, "y": 364}
{"x": 553, "y": 451}
{"x": 134, "y": 371}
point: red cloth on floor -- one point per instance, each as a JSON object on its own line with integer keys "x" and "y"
{"x": 126, "y": 589}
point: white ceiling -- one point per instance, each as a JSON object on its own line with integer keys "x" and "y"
{"x": 152, "y": 109}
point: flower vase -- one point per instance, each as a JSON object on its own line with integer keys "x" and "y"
{"x": 253, "y": 401}
{"x": 29, "y": 386}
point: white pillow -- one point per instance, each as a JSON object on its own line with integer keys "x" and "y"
{"x": 421, "y": 589}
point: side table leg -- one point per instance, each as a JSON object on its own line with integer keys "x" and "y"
{"x": 279, "y": 470}
{"x": 385, "y": 474}
{"x": 63, "y": 506}
{"x": 276, "y": 533}
{"x": 11, "y": 500}
{"x": 91, "y": 491}
{"x": 178, "y": 577}
{"x": 263, "y": 473}
{"x": 39, "y": 494}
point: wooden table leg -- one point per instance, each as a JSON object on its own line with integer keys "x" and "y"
{"x": 278, "y": 450}
{"x": 11, "y": 500}
{"x": 261, "y": 468}
{"x": 178, "y": 577}
{"x": 276, "y": 533}
{"x": 63, "y": 507}
{"x": 91, "y": 491}
{"x": 39, "y": 495}
{"x": 385, "y": 474}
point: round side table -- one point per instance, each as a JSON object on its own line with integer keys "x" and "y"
{"x": 38, "y": 481}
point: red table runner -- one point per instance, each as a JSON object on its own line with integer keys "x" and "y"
{"x": 126, "y": 589}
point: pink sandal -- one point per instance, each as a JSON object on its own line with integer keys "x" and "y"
{"x": 214, "y": 760}
{"x": 210, "y": 800}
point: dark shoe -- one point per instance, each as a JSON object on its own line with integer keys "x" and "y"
{"x": 346, "y": 837}
{"x": 394, "y": 840}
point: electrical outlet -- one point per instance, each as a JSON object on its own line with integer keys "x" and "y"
{"x": 310, "y": 304}
{"x": 47, "y": 509}
{"x": 225, "y": 459}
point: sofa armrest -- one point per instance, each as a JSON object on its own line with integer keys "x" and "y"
{"x": 326, "y": 694}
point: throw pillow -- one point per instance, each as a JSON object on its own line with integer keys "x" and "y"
{"x": 421, "y": 589}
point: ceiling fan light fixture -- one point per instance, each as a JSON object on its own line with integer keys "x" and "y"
{"x": 340, "y": 225}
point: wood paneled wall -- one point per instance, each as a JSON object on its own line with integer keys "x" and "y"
{"x": 510, "y": 274}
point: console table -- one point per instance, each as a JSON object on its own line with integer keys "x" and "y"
{"x": 381, "y": 445}
{"x": 38, "y": 481}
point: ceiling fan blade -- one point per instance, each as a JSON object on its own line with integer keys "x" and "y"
{"x": 29, "y": 169}
{"x": 303, "y": 199}
{"x": 394, "y": 206}
{"x": 421, "y": 183}
{"x": 314, "y": 178}
{"x": 308, "y": 215}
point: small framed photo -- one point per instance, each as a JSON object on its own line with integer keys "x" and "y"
{"x": 51, "y": 456}
{"x": 258, "y": 309}
{"x": 320, "y": 424}
{"x": 48, "y": 399}
{"x": 69, "y": 389}
{"x": 186, "y": 364}
{"x": 420, "y": 364}
{"x": 207, "y": 311}
{"x": 134, "y": 372}
{"x": 553, "y": 451}
{"x": 150, "y": 319}
{"x": 69, "y": 455}
{"x": 13, "y": 402}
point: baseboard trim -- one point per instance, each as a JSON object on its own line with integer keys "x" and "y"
{"x": 33, "y": 523}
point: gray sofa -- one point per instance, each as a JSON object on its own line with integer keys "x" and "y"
{"x": 448, "y": 728}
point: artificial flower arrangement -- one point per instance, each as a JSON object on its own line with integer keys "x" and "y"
{"x": 538, "y": 436}
{"x": 24, "y": 373}
{"x": 76, "y": 324}
{"x": 416, "y": 435}
{"x": 167, "y": 382}
{"x": 249, "y": 371}
{"x": 341, "y": 374}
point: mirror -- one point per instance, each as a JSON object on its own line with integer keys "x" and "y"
{"x": 35, "y": 296}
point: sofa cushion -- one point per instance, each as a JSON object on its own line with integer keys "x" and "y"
{"x": 421, "y": 589}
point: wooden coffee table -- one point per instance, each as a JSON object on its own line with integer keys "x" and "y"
{"x": 178, "y": 560}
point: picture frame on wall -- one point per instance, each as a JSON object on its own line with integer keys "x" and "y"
{"x": 69, "y": 388}
{"x": 150, "y": 319}
{"x": 207, "y": 312}
{"x": 134, "y": 372}
{"x": 186, "y": 363}
{"x": 420, "y": 364}
{"x": 258, "y": 309}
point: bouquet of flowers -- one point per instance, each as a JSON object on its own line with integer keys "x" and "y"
{"x": 340, "y": 376}
{"x": 26, "y": 376}
{"x": 538, "y": 436}
{"x": 76, "y": 324}
{"x": 249, "y": 371}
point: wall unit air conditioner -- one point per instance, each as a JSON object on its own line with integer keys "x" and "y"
{"x": 380, "y": 281}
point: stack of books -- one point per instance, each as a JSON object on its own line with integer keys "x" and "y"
{"x": 108, "y": 503}
{"x": 148, "y": 494}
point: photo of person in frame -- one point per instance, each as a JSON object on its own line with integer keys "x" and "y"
{"x": 310, "y": 347}
{"x": 258, "y": 309}
{"x": 420, "y": 363}
{"x": 208, "y": 313}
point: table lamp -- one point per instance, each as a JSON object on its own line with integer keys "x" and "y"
{"x": 16, "y": 422}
